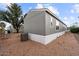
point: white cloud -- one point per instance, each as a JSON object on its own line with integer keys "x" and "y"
{"x": 39, "y": 6}
{"x": 76, "y": 5}
{"x": 4, "y": 5}
{"x": 69, "y": 20}
{"x": 51, "y": 8}
{"x": 72, "y": 18}
{"x": 30, "y": 8}
{"x": 47, "y": 4}
{"x": 8, "y": 4}
{"x": 66, "y": 21}
{"x": 72, "y": 11}
{"x": 75, "y": 8}
{"x": 65, "y": 18}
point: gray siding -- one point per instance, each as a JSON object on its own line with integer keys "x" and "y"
{"x": 50, "y": 29}
{"x": 39, "y": 22}
{"x": 62, "y": 27}
{"x": 35, "y": 23}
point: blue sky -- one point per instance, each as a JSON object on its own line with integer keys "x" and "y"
{"x": 67, "y": 12}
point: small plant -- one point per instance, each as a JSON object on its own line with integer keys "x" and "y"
{"x": 2, "y": 31}
{"x": 2, "y": 26}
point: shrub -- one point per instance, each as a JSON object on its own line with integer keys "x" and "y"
{"x": 74, "y": 29}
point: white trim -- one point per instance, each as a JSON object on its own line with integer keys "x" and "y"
{"x": 37, "y": 38}
{"x": 50, "y": 38}
{"x": 44, "y": 39}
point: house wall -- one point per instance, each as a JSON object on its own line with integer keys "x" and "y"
{"x": 35, "y": 23}
{"x": 39, "y": 22}
{"x": 62, "y": 27}
{"x": 51, "y": 29}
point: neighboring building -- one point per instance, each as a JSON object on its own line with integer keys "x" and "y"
{"x": 43, "y": 26}
{"x": 8, "y": 27}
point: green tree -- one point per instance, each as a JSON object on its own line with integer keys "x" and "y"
{"x": 13, "y": 15}
{"x": 74, "y": 29}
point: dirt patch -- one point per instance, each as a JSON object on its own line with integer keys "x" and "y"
{"x": 66, "y": 45}
{"x": 77, "y": 37}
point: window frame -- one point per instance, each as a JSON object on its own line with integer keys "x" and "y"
{"x": 57, "y": 25}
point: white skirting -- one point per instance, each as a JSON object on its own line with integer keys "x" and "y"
{"x": 44, "y": 39}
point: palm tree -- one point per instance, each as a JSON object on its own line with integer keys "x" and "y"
{"x": 13, "y": 15}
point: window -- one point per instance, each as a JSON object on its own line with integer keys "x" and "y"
{"x": 51, "y": 21}
{"x": 57, "y": 25}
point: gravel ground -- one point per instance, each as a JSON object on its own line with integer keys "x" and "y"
{"x": 77, "y": 36}
{"x": 66, "y": 45}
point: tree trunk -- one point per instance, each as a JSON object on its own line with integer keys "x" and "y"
{"x": 17, "y": 30}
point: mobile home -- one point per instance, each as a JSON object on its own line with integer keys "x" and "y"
{"x": 43, "y": 26}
